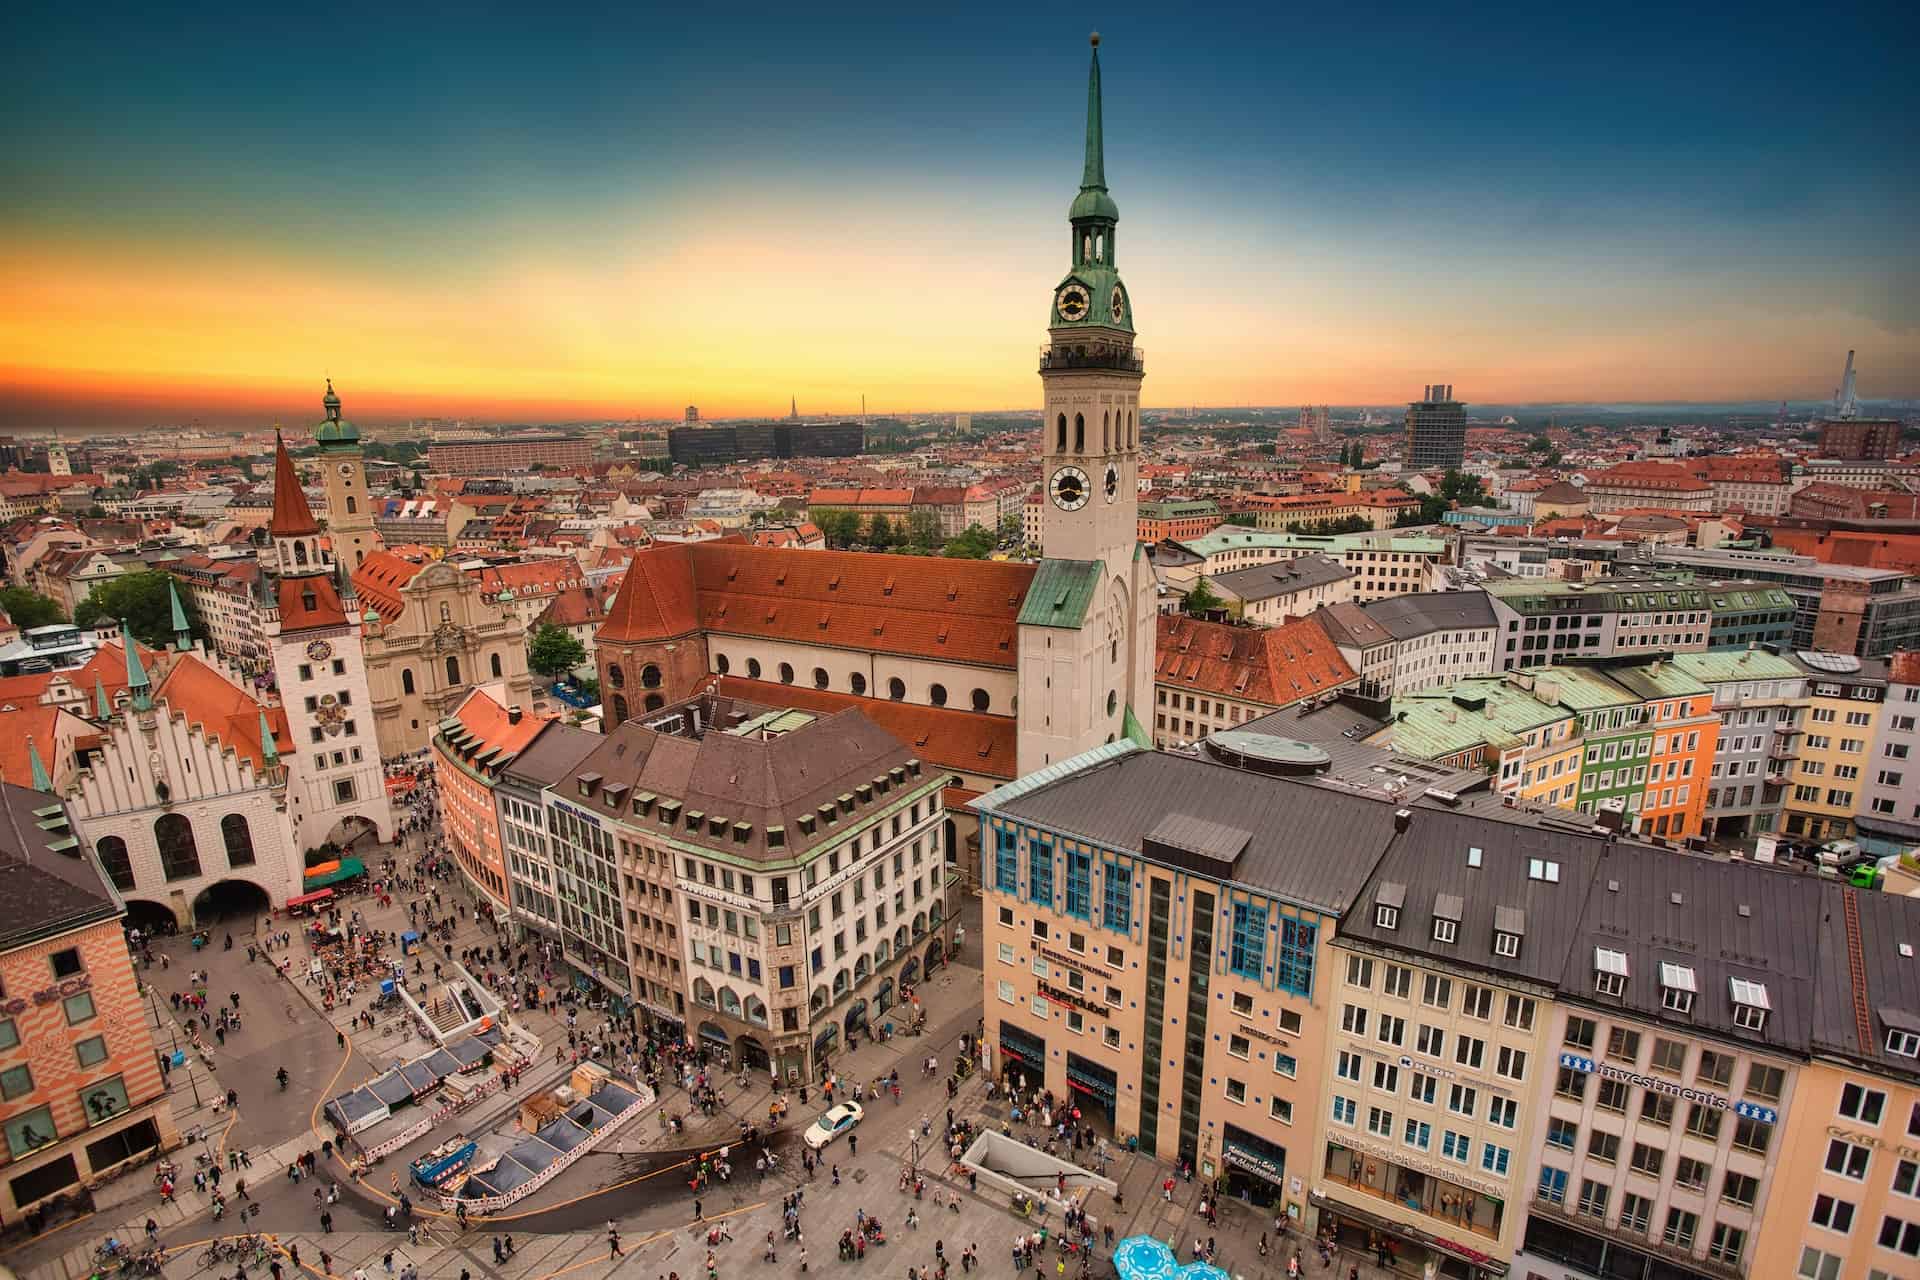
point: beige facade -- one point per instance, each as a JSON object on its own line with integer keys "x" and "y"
{"x": 444, "y": 640}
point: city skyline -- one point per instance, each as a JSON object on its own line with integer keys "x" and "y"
{"x": 609, "y": 219}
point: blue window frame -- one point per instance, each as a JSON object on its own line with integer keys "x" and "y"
{"x": 1419, "y": 1134}
{"x": 1249, "y": 949}
{"x": 1040, "y": 871}
{"x": 1080, "y": 884}
{"x": 1343, "y": 1109}
{"x": 1006, "y": 861}
{"x": 1553, "y": 1184}
{"x": 1454, "y": 1146}
{"x": 1494, "y": 1159}
{"x": 1297, "y": 941}
{"x": 1116, "y": 911}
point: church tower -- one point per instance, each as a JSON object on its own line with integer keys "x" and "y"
{"x": 1087, "y": 630}
{"x": 349, "y": 516}
{"x": 336, "y": 781}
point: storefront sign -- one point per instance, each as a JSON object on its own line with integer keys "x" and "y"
{"x": 1719, "y": 1102}
{"x": 1408, "y": 1160}
{"x": 1059, "y": 996}
{"x": 47, "y": 995}
{"x": 1057, "y": 958}
{"x": 1253, "y": 1162}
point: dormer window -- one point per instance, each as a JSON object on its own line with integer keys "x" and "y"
{"x": 1509, "y": 926}
{"x": 1506, "y": 944}
{"x": 1387, "y": 917}
{"x": 1904, "y": 1043}
{"x": 1447, "y": 908}
{"x": 1609, "y": 972}
{"x": 1750, "y": 1003}
{"x": 1387, "y": 904}
{"x": 1677, "y": 987}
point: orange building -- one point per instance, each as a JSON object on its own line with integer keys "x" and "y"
{"x": 470, "y": 748}
{"x": 1178, "y": 519}
{"x": 81, "y": 1092}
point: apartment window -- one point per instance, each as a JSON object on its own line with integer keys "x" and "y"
{"x": 1740, "y": 1189}
{"x": 1239, "y": 1046}
{"x": 1455, "y": 1146}
{"x": 1399, "y": 981}
{"x": 1833, "y": 1213}
{"x": 1857, "y": 1102}
{"x": 1436, "y": 992}
{"x": 1279, "y": 1108}
{"x": 1691, "y": 1174}
{"x": 1603, "y": 1146}
{"x": 1422, "y": 1088}
{"x": 1703, "y": 1122}
{"x": 1478, "y": 1003}
{"x": 1386, "y": 1077}
{"x": 1359, "y": 972}
{"x": 1593, "y": 1198}
{"x": 1353, "y": 1020}
{"x": 1581, "y": 1032}
{"x": 1635, "y": 1212}
{"x": 1242, "y": 1003}
{"x": 1669, "y": 1056}
{"x": 1431, "y": 1041}
{"x": 1562, "y": 1133}
{"x": 1623, "y": 1045}
{"x": 1906, "y": 1178}
{"x": 1495, "y": 1159}
{"x": 1847, "y": 1160}
{"x": 1511, "y": 1063}
{"x": 1379, "y": 1121}
{"x": 1648, "y": 1160}
{"x": 1462, "y": 1099}
{"x": 1387, "y": 917}
{"x": 1344, "y": 1110}
{"x": 1503, "y": 1112}
{"x": 1347, "y": 1065}
{"x": 1752, "y": 1135}
{"x": 1816, "y": 1265}
{"x": 1393, "y": 1030}
{"x": 1715, "y": 1068}
{"x": 1418, "y": 1135}
{"x": 1613, "y": 1096}
{"x": 1727, "y": 1244}
{"x": 1901, "y": 1236}
{"x": 1236, "y": 1090}
{"x": 1520, "y": 1013}
{"x": 1681, "y": 1226}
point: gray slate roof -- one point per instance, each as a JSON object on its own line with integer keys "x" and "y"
{"x": 553, "y": 753}
{"x": 47, "y": 890}
{"x": 1411, "y": 616}
{"x": 1892, "y": 994}
{"x": 1282, "y": 577}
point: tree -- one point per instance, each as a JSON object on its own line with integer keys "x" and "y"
{"x": 1201, "y": 598}
{"x": 1010, "y": 528}
{"x": 554, "y": 652}
{"x": 880, "y": 534}
{"x": 29, "y": 608}
{"x": 975, "y": 544}
{"x": 837, "y": 525}
{"x": 1462, "y": 489}
{"x": 1244, "y": 520}
{"x": 144, "y": 602}
{"x": 923, "y": 530}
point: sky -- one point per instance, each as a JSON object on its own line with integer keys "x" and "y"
{"x": 549, "y": 212}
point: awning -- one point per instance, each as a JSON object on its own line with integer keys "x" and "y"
{"x": 346, "y": 869}
{"x": 718, "y": 1034}
{"x": 1374, "y": 1221}
{"x": 308, "y": 899}
{"x": 826, "y": 1037}
{"x": 857, "y": 1015}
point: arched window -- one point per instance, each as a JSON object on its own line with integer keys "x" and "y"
{"x": 119, "y": 867}
{"x": 299, "y": 553}
{"x": 937, "y": 694}
{"x": 786, "y": 673}
{"x": 858, "y": 683}
{"x": 619, "y": 708}
{"x": 1100, "y": 248}
{"x": 179, "y": 856}
{"x": 615, "y": 676}
{"x": 1061, "y": 445}
{"x": 729, "y": 1002}
{"x": 1106, "y": 430}
{"x": 453, "y": 670}
{"x": 1132, "y": 440}
{"x": 493, "y": 661}
{"x": 981, "y": 700}
{"x": 720, "y": 663}
{"x": 239, "y": 840}
{"x": 406, "y": 679}
{"x": 819, "y": 677}
{"x": 446, "y": 612}
{"x": 352, "y": 506}
{"x": 756, "y": 1011}
{"x": 840, "y": 984}
{"x": 753, "y": 668}
{"x": 1113, "y": 701}
{"x": 655, "y": 702}
{"x": 896, "y": 688}
{"x": 1086, "y": 248}
{"x": 1079, "y": 433}
{"x": 649, "y": 677}
{"x": 703, "y": 992}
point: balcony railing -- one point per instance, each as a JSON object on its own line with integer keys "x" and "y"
{"x": 1122, "y": 356}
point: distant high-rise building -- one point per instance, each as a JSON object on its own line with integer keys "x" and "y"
{"x": 1316, "y": 418}
{"x": 693, "y": 413}
{"x": 1436, "y": 430}
{"x": 1845, "y": 434}
{"x": 710, "y": 446}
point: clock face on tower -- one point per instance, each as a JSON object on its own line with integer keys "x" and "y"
{"x": 1073, "y": 303}
{"x": 319, "y": 650}
{"x": 1069, "y": 488}
{"x": 1113, "y": 482}
{"x": 346, "y": 468}
{"x": 1117, "y": 305}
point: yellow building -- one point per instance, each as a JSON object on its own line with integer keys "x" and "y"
{"x": 1829, "y": 778}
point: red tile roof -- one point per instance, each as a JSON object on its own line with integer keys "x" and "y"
{"x": 292, "y": 517}
{"x": 379, "y": 579}
{"x": 965, "y": 741}
{"x": 227, "y": 713}
{"x": 17, "y": 726}
{"x": 487, "y": 720}
{"x": 1670, "y": 476}
{"x": 309, "y": 603}
{"x": 656, "y": 598}
{"x": 1274, "y": 666}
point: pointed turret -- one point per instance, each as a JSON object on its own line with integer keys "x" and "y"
{"x": 41, "y": 782}
{"x": 182, "y": 633}
{"x": 102, "y": 707}
{"x": 138, "y": 685}
{"x": 292, "y": 517}
{"x": 1093, "y": 200}
{"x": 268, "y": 750}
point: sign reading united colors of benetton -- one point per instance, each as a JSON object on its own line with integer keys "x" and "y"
{"x": 1706, "y": 1097}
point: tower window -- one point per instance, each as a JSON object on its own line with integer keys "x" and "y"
{"x": 494, "y": 661}
{"x": 406, "y": 679}
{"x": 453, "y": 670}
{"x": 1061, "y": 446}
{"x": 981, "y": 700}
{"x": 896, "y": 689}
{"x": 299, "y": 553}
{"x": 352, "y": 506}
{"x": 1100, "y": 248}
{"x": 1079, "y": 433}
{"x": 615, "y": 676}
{"x": 1106, "y": 433}
{"x": 937, "y": 695}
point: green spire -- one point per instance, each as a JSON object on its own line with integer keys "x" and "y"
{"x": 101, "y": 705}
{"x": 41, "y": 782}
{"x": 268, "y": 750}
{"x": 1095, "y": 173}
{"x": 182, "y": 634}
{"x": 137, "y": 683}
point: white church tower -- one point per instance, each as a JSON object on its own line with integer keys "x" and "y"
{"x": 1087, "y": 628}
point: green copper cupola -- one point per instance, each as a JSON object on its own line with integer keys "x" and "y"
{"x": 1093, "y": 202}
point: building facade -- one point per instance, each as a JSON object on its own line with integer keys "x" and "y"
{"x": 510, "y": 455}
{"x": 1436, "y": 431}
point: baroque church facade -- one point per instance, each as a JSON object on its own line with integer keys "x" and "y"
{"x": 1055, "y": 658}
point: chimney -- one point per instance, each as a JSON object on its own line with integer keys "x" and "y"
{"x": 1402, "y": 819}
{"x": 514, "y": 713}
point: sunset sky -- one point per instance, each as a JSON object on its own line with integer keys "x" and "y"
{"x": 540, "y": 212}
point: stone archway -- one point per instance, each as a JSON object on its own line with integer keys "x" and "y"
{"x": 231, "y": 899}
{"x": 151, "y": 917}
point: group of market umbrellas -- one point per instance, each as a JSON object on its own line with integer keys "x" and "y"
{"x": 1145, "y": 1258}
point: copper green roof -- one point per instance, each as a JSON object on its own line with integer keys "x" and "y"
{"x": 1717, "y": 666}
{"x": 1479, "y": 710}
{"x": 335, "y": 431}
{"x": 1060, "y": 593}
{"x": 1093, "y": 200}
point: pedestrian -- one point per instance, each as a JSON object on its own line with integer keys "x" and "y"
{"x": 499, "y": 1256}
{"x": 387, "y": 1262}
{"x": 613, "y": 1241}
{"x": 509, "y": 1246}
{"x": 326, "y": 1222}
{"x": 697, "y": 1215}
{"x": 853, "y": 1144}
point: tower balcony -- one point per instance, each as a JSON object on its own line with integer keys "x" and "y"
{"x": 1094, "y": 353}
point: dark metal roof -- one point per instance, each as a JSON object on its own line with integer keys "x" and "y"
{"x": 49, "y": 884}
{"x": 1881, "y": 924}
{"x": 553, "y": 754}
{"x": 1282, "y": 577}
{"x": 1723, "y": 920}
{"x": 1410, "y": 616}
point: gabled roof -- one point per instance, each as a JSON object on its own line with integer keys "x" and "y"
{"x": 47, "y": 880}
{"x": 1274, "y": 666}
{"x": 657, "y": 598}
{"x": 309, "y": 603}
{"x": 229, "y": 714}
{"x": 292, "y": 517}
{"x": 379, "y": 580}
